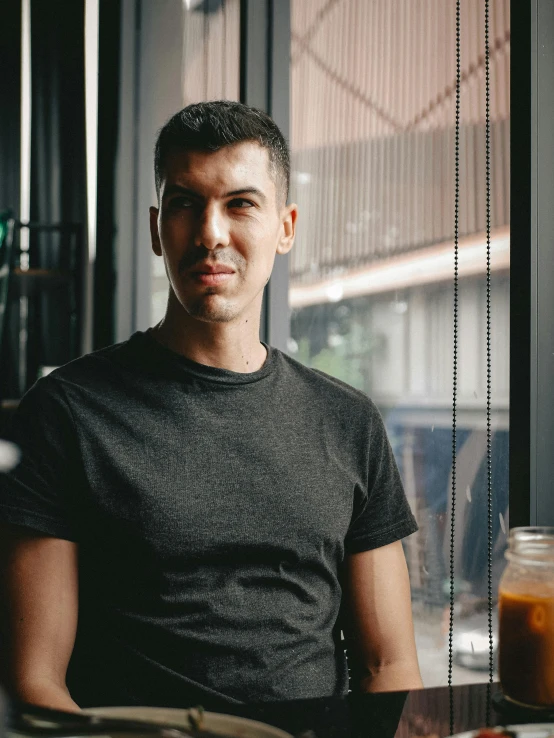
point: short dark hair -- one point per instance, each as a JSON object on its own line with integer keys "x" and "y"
{"x": 208, "y": 126}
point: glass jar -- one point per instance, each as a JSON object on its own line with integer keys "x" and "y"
{"x": 526, "y": 618}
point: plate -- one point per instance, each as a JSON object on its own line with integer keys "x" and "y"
{"x": 539, "y": 730}
{"x": 224, "y": 725}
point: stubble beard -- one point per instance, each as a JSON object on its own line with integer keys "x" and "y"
{"x": 208, "y": 311}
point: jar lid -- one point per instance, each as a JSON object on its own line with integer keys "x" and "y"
{"x": 533, "y": 543}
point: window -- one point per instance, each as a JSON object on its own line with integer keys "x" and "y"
{"x": 371, "y": 299}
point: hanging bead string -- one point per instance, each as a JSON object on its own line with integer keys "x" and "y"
{"x": 455, "y": 363}
{"x": 489, "y": 360}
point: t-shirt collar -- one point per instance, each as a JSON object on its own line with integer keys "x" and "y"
{"x": 165, "y": 356}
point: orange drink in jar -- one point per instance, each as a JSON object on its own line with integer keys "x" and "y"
{"x": 526, "y": 618}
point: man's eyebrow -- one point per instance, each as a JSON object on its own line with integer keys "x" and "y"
{"x": 247, "y": 191}
{"x": 176, "y": 189}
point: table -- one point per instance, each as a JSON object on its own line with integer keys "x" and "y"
{"x": 417, "y": 714}
{"x": 425, "y": 713}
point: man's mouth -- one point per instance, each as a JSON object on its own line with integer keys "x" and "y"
{"x": 212, "y": 275}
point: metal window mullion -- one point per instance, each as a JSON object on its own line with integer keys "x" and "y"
{"x": 254, "y": 20}
{"x": 532, "y": 254}
{"x": 542, "y": 338}
{"x": 520, "y": 262}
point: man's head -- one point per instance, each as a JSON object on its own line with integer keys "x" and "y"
{"x": 222, "y": 172}
{"x": 208, "y": 126}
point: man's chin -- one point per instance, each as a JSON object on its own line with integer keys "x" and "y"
{"x": 209, "y": 312}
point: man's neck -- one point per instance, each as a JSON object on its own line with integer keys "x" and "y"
{"x": 222, "y": 346}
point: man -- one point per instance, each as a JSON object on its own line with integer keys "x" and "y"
{"x": 194, "y": 507}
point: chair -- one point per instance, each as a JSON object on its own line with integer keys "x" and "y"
{"x": 46, "y": 282}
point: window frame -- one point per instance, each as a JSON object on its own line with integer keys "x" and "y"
{"x": 265, "y": 45}
{"x": 532, "y": 255}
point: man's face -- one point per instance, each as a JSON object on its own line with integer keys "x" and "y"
{"x": 218, "y": 228}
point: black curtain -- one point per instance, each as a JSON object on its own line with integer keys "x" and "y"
{"x": 108, "y": 114}
{"x": 10, "y": 64}
{"x": 58, "y": 166}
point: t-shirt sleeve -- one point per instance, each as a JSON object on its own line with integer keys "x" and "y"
{"x": 36, "y": 493}
{"x": 383, "y": 515}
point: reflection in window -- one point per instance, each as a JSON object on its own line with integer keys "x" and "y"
{"x": 211, "y": 71}
{"x": 372, "y": 138}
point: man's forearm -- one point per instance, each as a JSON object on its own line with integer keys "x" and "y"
{"x": 394, "y": 677}
{"x": 45, "y": 693}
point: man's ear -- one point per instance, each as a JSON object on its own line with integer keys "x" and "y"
{"x": 154, "y": 234}
{"x": 288, "y": 228}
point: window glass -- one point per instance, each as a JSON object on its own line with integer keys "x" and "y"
{"x": 210, "y": 71}
{"x": 371, "y": 296}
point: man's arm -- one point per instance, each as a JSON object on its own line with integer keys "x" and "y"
{"x": 378, "y": 627}
{"x": 38, "y": 617}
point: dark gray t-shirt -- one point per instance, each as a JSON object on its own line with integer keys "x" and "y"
{"x": 213, "y": 511}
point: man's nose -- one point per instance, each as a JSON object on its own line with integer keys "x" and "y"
{"x": 212, "y": 230}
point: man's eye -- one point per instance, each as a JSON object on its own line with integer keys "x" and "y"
{"x": 240, "y": 202}
{"x": 181, "y": 202}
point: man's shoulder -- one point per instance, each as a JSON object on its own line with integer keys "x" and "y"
{"x": 95, "y": 362}
{"x": 94, "y": 371}
{"x": 325, "y": 385}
